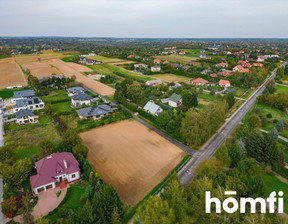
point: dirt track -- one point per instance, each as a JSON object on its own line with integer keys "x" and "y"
{"x": 131, "y": 157}
{"x": 10, "y": 74}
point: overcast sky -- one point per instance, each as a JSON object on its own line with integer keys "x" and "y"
{"x": 145, "y": 18}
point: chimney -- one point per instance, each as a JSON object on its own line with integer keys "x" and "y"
{"x": 65, "y": 163}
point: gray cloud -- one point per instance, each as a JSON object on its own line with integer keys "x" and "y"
{"x": 144, "y": 18}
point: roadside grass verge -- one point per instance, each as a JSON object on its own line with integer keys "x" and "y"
{"x": 282, "y": 89}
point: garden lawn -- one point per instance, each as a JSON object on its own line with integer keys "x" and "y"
{"x": 56, "y": 96}
{"x": 71, "y": 201}
{"x": 62, "y": 107}
{"x": 271, "y": 184}
{"x": 282, "y": 89}
{"x": 23, "y": 153}
{"x": 207, "y": 96}
{"x": 7, "y": 93}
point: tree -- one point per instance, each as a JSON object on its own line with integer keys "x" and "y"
{"x": 7, "y": 153}
{"x": 80, "y": 150}
{"x": 155, "y": 211}
{"x": 271, "y": 87}
{"x": 242, "y": 147}
{"x": 274, "y": 134}
{"x": 256, "y": 187}
{"x": 222, "y": 155}
{"x": 280, "y": 126}
{"x": 42, "y": 220}
{"x": 163, "y": 118}
{"x": 261, "y": 147}
{"x": 27, "y": 210}
{"x": 70, "y": 139}
{"x": 136, "y": 93}
{"x": 48, "y": 109}
{"x": 230, "y": 99}
{"x": 189, "y": 100}
{"x": 254, "y": 121}
{"x": 45, "y": 148}
{"x": 170, "y": 127}
{"x": 235, "y": 154}
{"x": 86, "y": 213}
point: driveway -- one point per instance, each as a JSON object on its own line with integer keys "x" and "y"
{"x": 47, "y": 202}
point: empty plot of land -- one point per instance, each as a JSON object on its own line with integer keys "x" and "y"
{"x": 131, "y": 157}
{"x": 70, "y": 69}
{"x": 41, "y": 68}
{"x": 171, "y": 78}
{"x": 10, "y": 74}
{"x": 179, "y": 59}
{"x": 107, "y": 60}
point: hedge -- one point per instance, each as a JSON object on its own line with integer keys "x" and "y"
{"x": 131, "y": 106}
{"x": 165, "y": 106}
{"x": 146, "y": 115}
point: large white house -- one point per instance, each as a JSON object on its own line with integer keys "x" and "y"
{"x": 57, "y": 168}
{"x": 81, "y": 99}
{"x": 31, "y": 103}
{"x": 24, "y": 94}
{"x": 175, "y": 100}
{"x": 26, "y": 117}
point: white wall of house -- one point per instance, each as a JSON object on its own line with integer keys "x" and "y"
{"x": 45, "y": 187}
{"x": 30, "y": 107}
{"x": 27, "y": 119}
{"x": 79, "y": 103}
{"x": 172, "y": 103}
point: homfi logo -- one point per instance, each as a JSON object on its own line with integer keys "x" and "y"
{"x": 231, "y": 205}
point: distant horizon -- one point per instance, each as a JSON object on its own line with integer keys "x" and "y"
{"x": 145, "y": 18}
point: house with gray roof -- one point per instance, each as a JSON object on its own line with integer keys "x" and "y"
{"x": 81, "y": 99}
{"x": 25, "y": 117}
{"x": 74, "y": 91}
{"x": 31, "y": 103}
{"x": 152, "y": 108}
{"x": 24, "y": 94}
{"x": 175, "y": 100}
{"x": 95, "y": 112}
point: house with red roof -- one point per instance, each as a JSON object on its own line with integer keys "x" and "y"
{"x": 239, "y": 68}
{"x": 213, "y": 75}
{"x": 258, "y": 65}
{"x": 131, "y": 56}
{"x": 222, "y": 65}
{"x": 55, "y": 168}
{"x": 199, "y": 82}
{"x": 224, "y": 83}
{"x": 157, "y": 61}
{"x": 261, "y": 58}
{"x": 166, "y": 62}
{"x": 225, "y": 73}
{"x": 241, "y": 62}
{"x": 182, "y": 52}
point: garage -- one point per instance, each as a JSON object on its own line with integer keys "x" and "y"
{"x": 49, "y": 186}
{"x": 40, "y": 189}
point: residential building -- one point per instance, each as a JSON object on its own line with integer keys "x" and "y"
{"x": 25, "y": 117}
{"x": 224, "y": 83}
{"x": 260, "y": 58}
{"x": 207, "y": 71}
{"x": 213, "y": 75}
{"x": 90, "y": 61}
{"x": 53, "y": 169}
{"x": 239, "y": 68}
{"x": 155, "y": 68}
{"x": 153, "y": 108}
{"x": 153, "y": 82}
{"x": 81, "y": 99}
{"x": 175, "y": 65}
{"x": 31, "y": 103}
{"x": 95, "y": 112}
{"x": 175, "y": 100}
{"x": 199, "y": 82}
{"x": 166, "y": 62}
{"x": 202, "y": 56}
{"x": 258, "y": 65}
{"x": 223, "y": 65}
{"x": 156, "y": 61}
{"x": 75, "y": 91}
{"x": 139, "y": 66}
{"x": 182, "y": 52}
{"x": 145, "y": 59}
{"x": 225, "y": 73}
{"x": 24, "y": 94}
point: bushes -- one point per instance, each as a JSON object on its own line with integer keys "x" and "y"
{"x": 146, "y": 115}
{"x": 164, "y": 106}
{"x": 131, "y": 106}
{"x": 62, "y": 127}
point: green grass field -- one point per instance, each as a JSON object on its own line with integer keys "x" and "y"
{"x": 7, "y": 93}
{"x": 62, "y": 107}
{"x": 56, "y": 96}
{"x": 272, "y": 183}
{"x": 107, "y": 69}
{"x": 25, "y": 152}
{"x": 207, "y": 96}
{"x": 282, "y": 89}
{"x": 107, "y": 60}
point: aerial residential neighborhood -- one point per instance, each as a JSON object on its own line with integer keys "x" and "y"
{"x": 137, "y": 112}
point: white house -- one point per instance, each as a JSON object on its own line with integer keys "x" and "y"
{"x": 153, "y": 82}
{"x": 78, "y": 90}
{"x": 57, "y": 168}
{"x": 26, "y": 117}
{"x": 224, "y": 83}
{"x": 155, "y": 68}
{"x": 153, "y": 108}
{"x": 175, "y": 100}
{"x": 31, "y": 103}
{"x": 81, "y": 99}
{"x": 24, "y": 94}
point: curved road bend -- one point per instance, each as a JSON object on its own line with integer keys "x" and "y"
{"x": 210, "y": 147}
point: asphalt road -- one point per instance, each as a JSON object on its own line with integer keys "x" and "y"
{"x": 210, "y": 147}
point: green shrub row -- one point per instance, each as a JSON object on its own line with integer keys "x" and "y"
{"x": 146, "y": 115}
{"x": 131, "y": 106}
